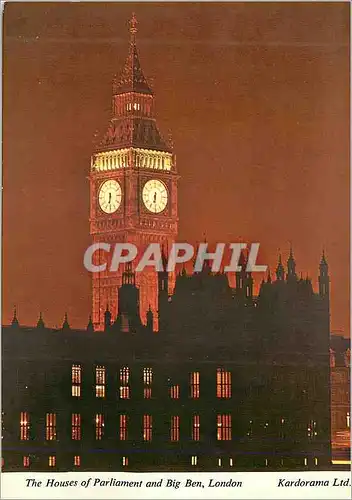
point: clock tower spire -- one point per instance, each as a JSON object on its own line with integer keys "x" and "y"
{"x": 133, "y": 186}
{"x": 132, "y": 78}
{"x": 133, "y": 27}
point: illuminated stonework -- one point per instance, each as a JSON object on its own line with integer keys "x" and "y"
{"x": 131, "y": 157}
{"x": 132, "y": 153}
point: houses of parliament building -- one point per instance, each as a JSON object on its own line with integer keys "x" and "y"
{"x": 173, "y": 372}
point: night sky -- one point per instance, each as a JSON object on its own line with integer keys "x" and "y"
{"x": 256, "y": 96}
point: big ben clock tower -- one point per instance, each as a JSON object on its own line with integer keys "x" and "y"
{"x": 133, "y": 186}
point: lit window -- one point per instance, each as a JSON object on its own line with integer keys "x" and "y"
{"x": 76, "y": 374}
{"x": 147, "y": 376}
{"x": 223, "y": 383}
{"x": 266, "y": 462}
{"x": 77, "y": 461}
{"x": 147, "y": 392}
{"x": 99, "y": 426}
{"x": 147, "y": 427}
{"x": 76, "y": 426}
{"x": 124, "y": 392}
{"x": 194, "y": 460}
{"x": 123, "y": 427}
{"x": 219, "y": 462}
{"x": 175, "y": 392}
{"x": 52, "y": 461}
{"x": 26, "y": 462}
{"x": 76, "y": 380}
{"x": 147, "y": 379}
{"x": 124, "y": 381}
{"x": 194, "y": 385}
{"x": 100, "y": 391}
{"x": 100, "y": 381}
{"x": 124, "y": 461}
{"x": 24, "y": 426}
{"x": 348, "y": 420}
{"x": 100, "y": 375}
{"x": 306, "y": 461}
{"x": 312, "y": 429}
{"x": 196, "y": 428}
{"x": 231, "y": 462}
{"x": 315, "y": 461}
{"x": 224, "y": 428}
{"x": 50, "y": 429}
{"x": 76, "y": 391}
{"x": 124, "y": 375}
{"x": 175, "y": 428}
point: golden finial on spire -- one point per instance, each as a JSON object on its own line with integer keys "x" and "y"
{"x": 133, "y": 27}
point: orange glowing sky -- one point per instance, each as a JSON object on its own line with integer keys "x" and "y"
{"x": 256, "y": 96}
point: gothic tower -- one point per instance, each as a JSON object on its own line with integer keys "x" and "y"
{"x": 291, "y": 267}
{"x": 324, "y": 279}
{"x": 133, "y": 187}
{"x": 280, "y": 271}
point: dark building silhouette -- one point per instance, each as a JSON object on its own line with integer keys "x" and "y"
{"x": 232, "y": 381}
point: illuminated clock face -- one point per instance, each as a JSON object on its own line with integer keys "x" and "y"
{"x": 110, "y": 195}
{"x": 154, "y": 196}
